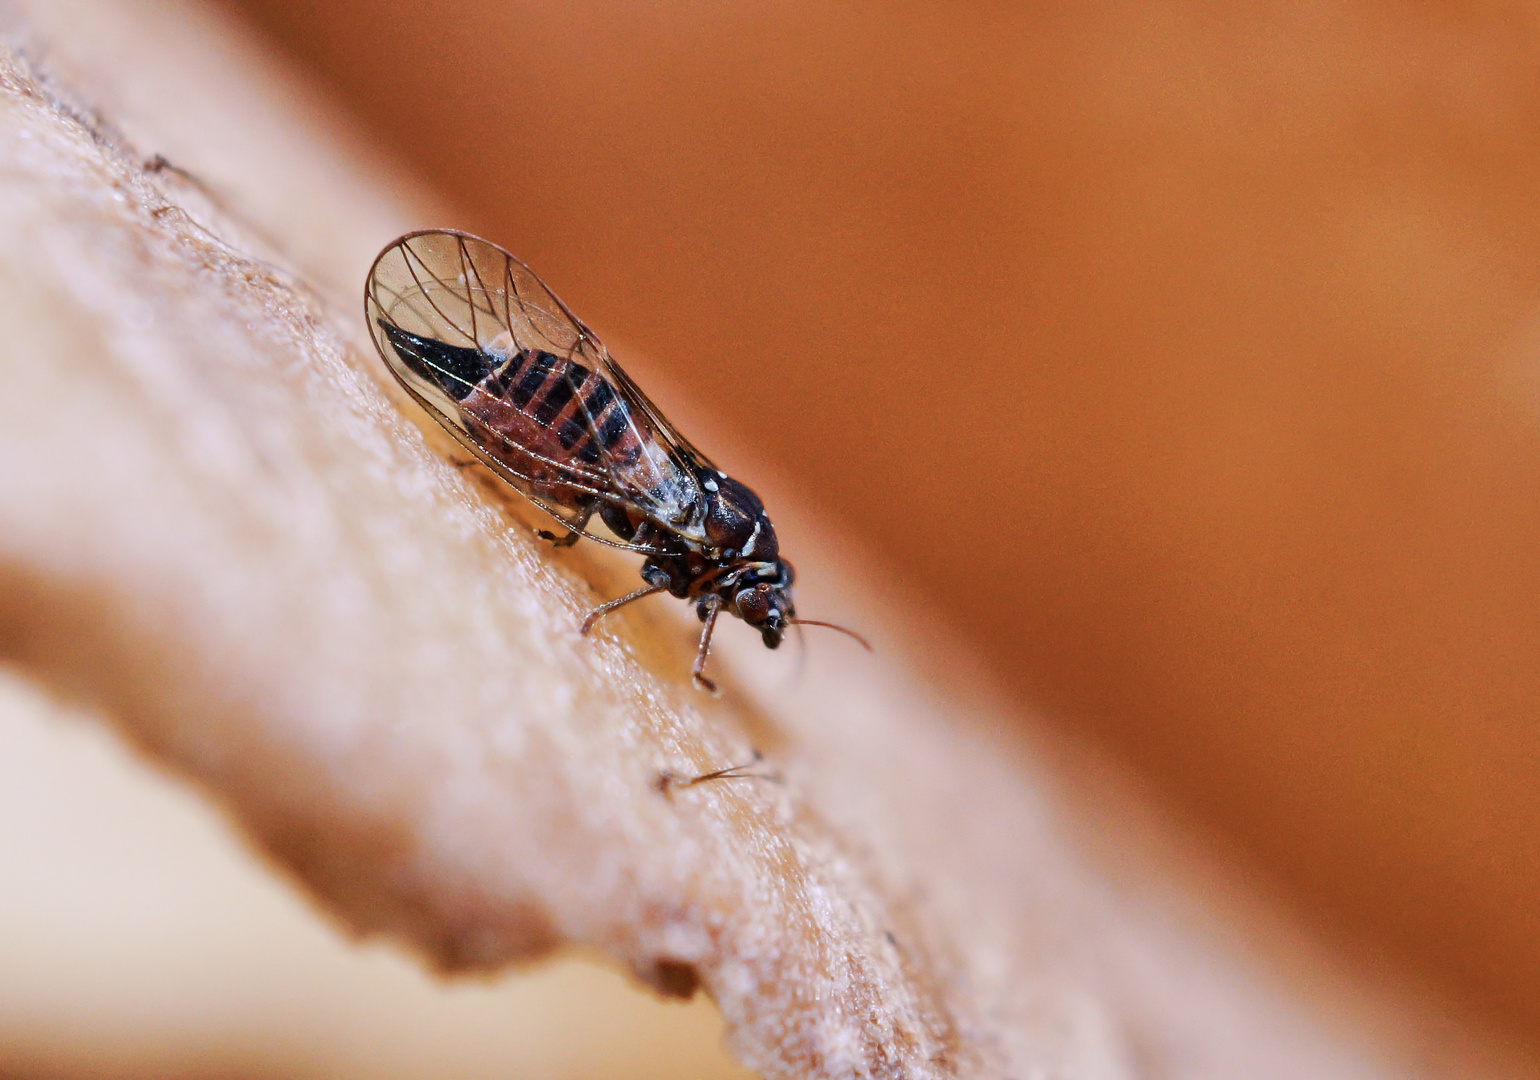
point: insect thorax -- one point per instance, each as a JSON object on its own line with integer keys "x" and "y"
{"x": 739, "y": 567}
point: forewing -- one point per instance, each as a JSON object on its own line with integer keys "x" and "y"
{"x": 464, "y": 307}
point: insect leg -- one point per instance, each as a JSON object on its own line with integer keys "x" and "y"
{"x": 712, "y": 604}
{"x": 670, "y": 781}
{"x": 574, "y": 527}
{"x": 604, "y": 609}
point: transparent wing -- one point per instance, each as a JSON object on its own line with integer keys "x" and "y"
{"x": 505, "y": 367}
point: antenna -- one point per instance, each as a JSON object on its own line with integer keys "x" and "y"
{"x": 848, "y": 633}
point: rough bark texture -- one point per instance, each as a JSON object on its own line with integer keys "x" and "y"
{"x": 220, "y": 526}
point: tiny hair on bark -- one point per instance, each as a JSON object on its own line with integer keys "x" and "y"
{"x": 224, "y": 530}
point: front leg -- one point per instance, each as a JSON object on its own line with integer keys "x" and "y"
{"x": 710, "y": 606}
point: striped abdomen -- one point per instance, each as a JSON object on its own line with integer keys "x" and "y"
{"x": 534, "y": 401}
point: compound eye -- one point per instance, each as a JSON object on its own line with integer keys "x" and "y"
{"x": 753, "y": 604}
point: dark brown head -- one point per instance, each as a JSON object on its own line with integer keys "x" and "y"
{"x": 763, "y": 600}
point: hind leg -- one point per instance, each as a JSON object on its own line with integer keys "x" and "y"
{"x": 575, "y": 527}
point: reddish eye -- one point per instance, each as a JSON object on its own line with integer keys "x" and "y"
{"x": 753, "y": 604}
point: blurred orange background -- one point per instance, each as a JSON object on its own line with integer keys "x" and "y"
{"x": 1186, "y": 356}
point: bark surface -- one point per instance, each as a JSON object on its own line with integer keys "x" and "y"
{"x": 221, "y": 527}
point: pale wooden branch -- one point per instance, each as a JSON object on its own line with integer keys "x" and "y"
{"x": 218, "y": 526}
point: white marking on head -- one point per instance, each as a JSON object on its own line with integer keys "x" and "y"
{"x": 709, "y": 484}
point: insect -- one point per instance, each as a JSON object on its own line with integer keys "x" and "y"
{"x": 481, "y": 342}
